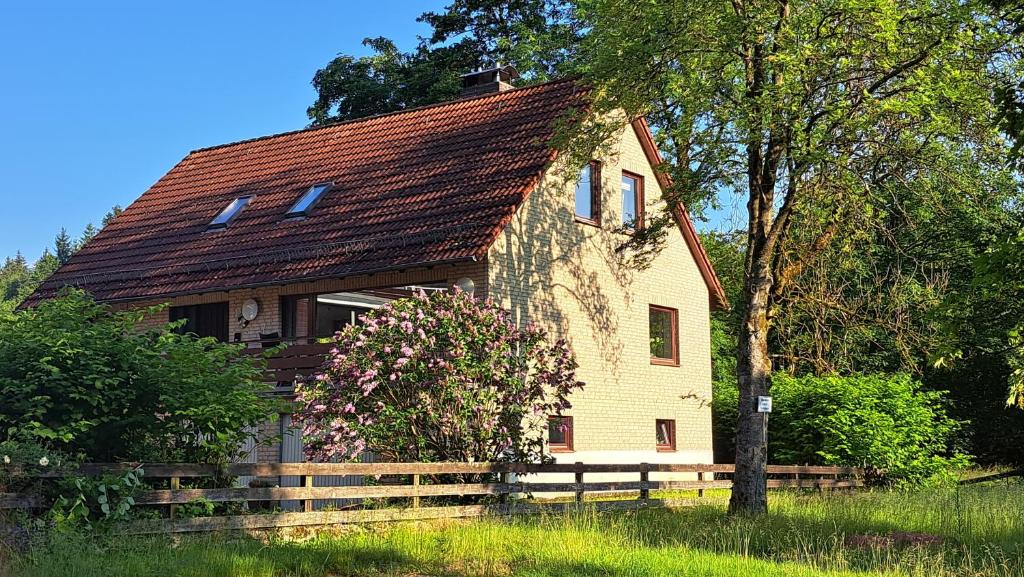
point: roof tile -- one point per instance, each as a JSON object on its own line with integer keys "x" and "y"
{"x": 422, "y": 186}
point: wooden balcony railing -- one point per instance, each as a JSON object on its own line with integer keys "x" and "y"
{"x": 298, "y": 359}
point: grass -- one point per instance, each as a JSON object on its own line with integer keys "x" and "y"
{"x": 982, "y": 531}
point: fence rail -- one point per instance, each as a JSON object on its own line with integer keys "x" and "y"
{"x": 506, "y": 479}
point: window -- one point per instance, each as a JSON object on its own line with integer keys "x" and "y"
{"x": 665, "y": 434}
{"x": 229, "y": 213}
{"x": 307, "y": 201}
{"x": 632, "y": 201}
{"x": 664, "y": 333}
{"x": 335, "y": 311}
{"x": 588, "y": 194}
{"x": 560, "y": 434}
{"x": 209, "y": 320}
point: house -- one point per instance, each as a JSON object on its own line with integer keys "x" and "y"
{"x": 291, "y": 236}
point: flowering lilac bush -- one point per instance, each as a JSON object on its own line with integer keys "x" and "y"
{"x": 436, "y": 378}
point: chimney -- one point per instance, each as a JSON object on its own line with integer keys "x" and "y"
{"x": 497, "y": 79}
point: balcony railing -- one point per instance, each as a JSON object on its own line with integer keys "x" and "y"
{"x": 299, "y": 358}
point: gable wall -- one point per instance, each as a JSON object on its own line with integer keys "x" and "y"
{"x": 564, "y": 275}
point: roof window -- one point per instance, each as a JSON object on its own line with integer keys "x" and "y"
{"x": 307, "y": 201}
{"x": 229, "y": 213}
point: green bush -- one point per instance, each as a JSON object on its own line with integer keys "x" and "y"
{"x": 94, "y": 502}
{"x": 86, "y": 380}
{"x": 883, "y": 421}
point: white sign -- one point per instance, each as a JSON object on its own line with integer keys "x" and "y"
{"x": 764, "y": 404}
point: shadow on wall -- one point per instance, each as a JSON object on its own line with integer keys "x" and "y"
{"x": 555, "y": 260}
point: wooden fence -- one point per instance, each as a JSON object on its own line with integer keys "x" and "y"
{"x": 486, "y": 479}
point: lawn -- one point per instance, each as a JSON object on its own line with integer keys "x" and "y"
{"x": 972, "y": 531}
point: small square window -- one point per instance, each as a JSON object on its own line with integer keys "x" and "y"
{"x": 664, "y": 336}
{"x": 665, "y": 434}
{"x": 560, "y": 434}
{"x": 229, "y": 213}
{"x": 588, "y": 194}
{"x": 632, "y": 201}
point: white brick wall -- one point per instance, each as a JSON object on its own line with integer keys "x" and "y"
{"x": 547, "y": 268}
{"x": 564, "y": 275}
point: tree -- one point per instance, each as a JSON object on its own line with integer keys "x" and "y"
{"x": 535, "y": 36}
{"x": 1000, "y": 276}
{"x": 438, "y": 378}
{"x": 64, "y": 246}
{"x": 87, "y": 233}
{"x": 802, "y": 108}
{"x": 84, "y": 379}
{"x": 111, "y": 215}
{"x": 1010, "y": 94}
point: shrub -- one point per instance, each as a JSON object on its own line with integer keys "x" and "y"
{"x": 438, "y": 378}
{"x": 884, "y": 421}
{"x": 92, "y": 502}
{"x": 86, "y": 380}
{"x": 22, "y": 459}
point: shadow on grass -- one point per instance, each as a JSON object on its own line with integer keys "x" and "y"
{"x": 977, "y": 530}
{"x": 805, "y": 533}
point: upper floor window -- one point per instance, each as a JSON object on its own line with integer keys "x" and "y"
{"x": 632, "y": 200}
{"x": 664, "y": 333}
{"x": 588, "y": 194}
{"x": 665, "y": 434}
{"x": 232, "y": 210}
{"x": 307, "y": 201}
{"x": 560, "y": 433}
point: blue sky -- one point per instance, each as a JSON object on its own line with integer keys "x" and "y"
{"x": 99, "y": 99}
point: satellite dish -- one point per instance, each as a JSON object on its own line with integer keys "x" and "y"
{"x": 250, "y": 309}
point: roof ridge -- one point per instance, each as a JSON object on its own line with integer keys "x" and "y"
{"x": 381, "y": 115}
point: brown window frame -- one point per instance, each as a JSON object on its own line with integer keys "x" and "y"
{"x": 565, "y": 447}
{"x": 674, "y": 360}
{"x": 595, "y": 197}
{"x": 640, "y": 213}
{"x": 671, "y": 445}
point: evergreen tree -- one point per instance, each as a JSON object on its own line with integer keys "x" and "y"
{"x": 64, "y": 246}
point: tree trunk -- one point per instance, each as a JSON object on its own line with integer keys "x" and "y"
{"x": 753, "y": 370}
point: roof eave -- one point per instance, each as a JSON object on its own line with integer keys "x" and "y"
{"x": 718, "y": 300}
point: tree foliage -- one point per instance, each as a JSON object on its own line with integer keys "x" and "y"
{"x": 535, "y": 36}
{"x": 806, "y": 109}
{"x": 1000, "y": 279}
{"x": 889, "y": 422}
{"x": 18, "y": 278}
{"x": 438, "y": 378}
{"x": 85, "y": 380}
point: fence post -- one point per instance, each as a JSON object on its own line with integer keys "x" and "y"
{"x": 579, "y": 482}
{"x": 175, "y": 485}
{"x": 416, "y": 488}
{"x": 644, "y": 480}
{"x": 307, "y": 504}
{"x": 700, "y": 478}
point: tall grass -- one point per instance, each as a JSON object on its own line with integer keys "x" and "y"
{"x": 805, "y": 535}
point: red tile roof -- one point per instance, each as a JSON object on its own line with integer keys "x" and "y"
{"x": 424, "y": 186}
{"x": 413, "y": 187}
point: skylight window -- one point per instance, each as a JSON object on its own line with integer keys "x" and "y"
{"x": 229, "y": 213}
{"x": 308, "y": 200}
